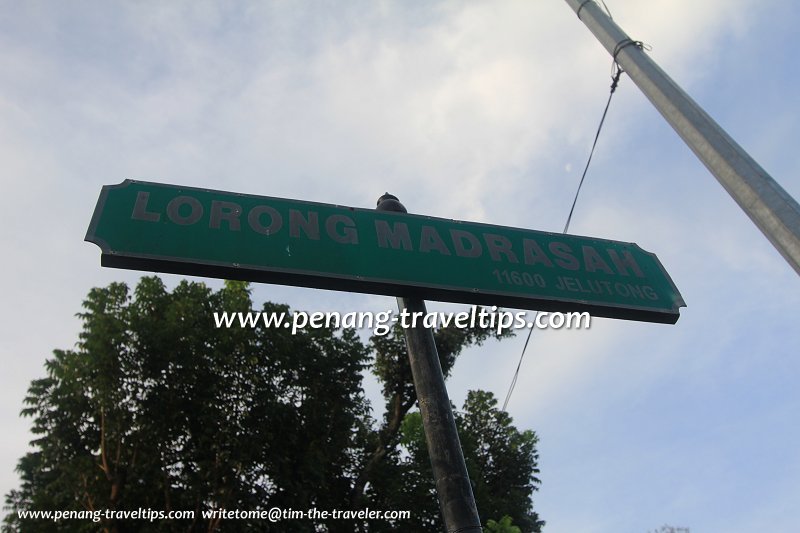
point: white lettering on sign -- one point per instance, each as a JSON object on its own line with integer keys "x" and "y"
{"x": 185, "y": 210}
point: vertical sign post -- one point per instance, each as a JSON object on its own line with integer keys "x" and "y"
{"x": 186, "y": 230}
{"x": 456, "y": 501}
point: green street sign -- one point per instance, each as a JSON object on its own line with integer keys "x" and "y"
{"x": 184, "y": 230}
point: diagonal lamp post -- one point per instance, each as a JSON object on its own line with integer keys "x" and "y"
{"x": 767, "y": 204}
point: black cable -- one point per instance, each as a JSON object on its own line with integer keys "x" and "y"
{"x": 607, "y": 10}
{"x": 578, "y": 12}
{"x": 627, "y": 42}
{"x": 519, "y": 365}
{"x": 614, "y": 83}
{"x": 616, "y": 72}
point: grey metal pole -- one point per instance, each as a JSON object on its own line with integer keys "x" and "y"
{"x": 769, "y": 206}
{"x": 456, "y": 501}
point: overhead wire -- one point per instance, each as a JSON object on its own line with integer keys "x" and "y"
{"x": 616, "y": 73}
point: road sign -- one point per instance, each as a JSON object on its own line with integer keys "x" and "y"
{"x": 184, "y": 230}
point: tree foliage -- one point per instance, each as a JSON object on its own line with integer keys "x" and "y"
{"x": 505, "y": 525}
{"x": 501, "y": 461}
{"x": 157, "y": 408}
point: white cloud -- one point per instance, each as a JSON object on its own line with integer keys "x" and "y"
{"x": 477, "y": 111}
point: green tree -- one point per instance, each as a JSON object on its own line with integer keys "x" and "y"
{"x": 505, "y": 525}
{"x": 158, "y": 408}
{"x": 501, "y": 461}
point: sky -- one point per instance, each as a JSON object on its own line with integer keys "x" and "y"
{"x": 479, "y": 111}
